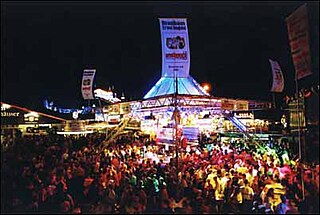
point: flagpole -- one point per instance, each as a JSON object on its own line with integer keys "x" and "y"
{"x": 299, "y": 137}
{"x": 176, "y": 121}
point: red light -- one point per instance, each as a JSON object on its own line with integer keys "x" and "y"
{"x": 307, "y": 94}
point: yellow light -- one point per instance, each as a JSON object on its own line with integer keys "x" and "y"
{"x": 35, "y": 114}
{"x": 5, "y": 106}
{"x": 206, "y": 87}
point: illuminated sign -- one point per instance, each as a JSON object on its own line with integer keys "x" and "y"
{"x": 6, "y": 113}
{"x": 74, "y": 125}
{"x": 244, "y": 115}
{"x": 227, "y": 104}
{"x": 5, "y": 107}
{"x": 175, "y": 47}
{"x": 31, "y": 117}
{"x": 9, "y": 114}
{"x": 242, "y": 105}
{"x": 148, "y": 126}
{"x": 165, "y": 134}
{"x": 75, "y": 115}
{"x": 106, "y": 95}
{"x": 124, "y": 108}
{"x": 114, "y": 118}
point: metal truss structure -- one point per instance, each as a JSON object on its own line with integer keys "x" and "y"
{"x": 185, "y": 102}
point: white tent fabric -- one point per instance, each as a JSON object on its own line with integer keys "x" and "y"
{"x": 166, "y": 86}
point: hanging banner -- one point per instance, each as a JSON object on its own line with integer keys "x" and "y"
{"x": 298, "y": 31}
{"x": 278, "y": 80}
{"x": 175, "y": 47}
{"x": 87, "y": 81}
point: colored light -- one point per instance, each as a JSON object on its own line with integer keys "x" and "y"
{"x": 206, "y": 87}
{"x": 5, "y": 106}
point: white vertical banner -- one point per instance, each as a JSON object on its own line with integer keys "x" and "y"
{"x": 175, "y": 47}
{"x": 87, "y": 81}
{"x": 278, "y": 80}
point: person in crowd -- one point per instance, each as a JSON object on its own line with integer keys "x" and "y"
{"x": 282, "y": 207}
{"x": 247, "y": 194}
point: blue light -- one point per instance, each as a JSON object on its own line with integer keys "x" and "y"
{"x": 166, "y": 86}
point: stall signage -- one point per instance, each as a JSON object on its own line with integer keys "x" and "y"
{"x": 11, "y": 117}
{"x": 244, "y": 115}
{"x": 31, "y": 117}
{"x": 227, "y": 105}
{"x": 9, "y": 114}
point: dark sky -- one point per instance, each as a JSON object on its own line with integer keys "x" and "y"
{"x": 45, "y": 47}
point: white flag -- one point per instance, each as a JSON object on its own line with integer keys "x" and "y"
{"x": 278, "y": 80}
{"x": 87, "y": 81}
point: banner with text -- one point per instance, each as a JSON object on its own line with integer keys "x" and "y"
{"x": 278, "y": 80}
{"x": 175, "y": 47}
{"x": 298, "y": 31}
{"x": 87, "y": 81}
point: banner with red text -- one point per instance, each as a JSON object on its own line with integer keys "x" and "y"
{"x": 175, "y": 47}
{"x": 87, "y": 81}
{"x": 298, "y": 31}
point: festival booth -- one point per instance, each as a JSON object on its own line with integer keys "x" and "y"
{"x": 16, "y": 119}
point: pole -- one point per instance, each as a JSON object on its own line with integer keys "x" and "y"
{"x": 176, "y": 121}
{"x": 274, "y": 100}
{"x": 299, "y": 135}
{"x": 103, "y": 116}
{"x": 176, "y": 118}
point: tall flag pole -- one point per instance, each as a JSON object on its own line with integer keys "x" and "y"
{"x": 298, "y": 32}
{"x": 278, "y": 80}
{"x": 175, "y": 61}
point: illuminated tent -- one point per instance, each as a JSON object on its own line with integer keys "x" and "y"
{"x": 166, "y": 86}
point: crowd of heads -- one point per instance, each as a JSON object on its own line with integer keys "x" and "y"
{"x": 74, "y": 174}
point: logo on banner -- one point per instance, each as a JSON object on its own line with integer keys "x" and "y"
{"x": 86, "y": 82}
{"x": 175, "y": 42}
{"x": 174, "y": 56}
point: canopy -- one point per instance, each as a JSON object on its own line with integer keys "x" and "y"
{"x": 166, "y": 86}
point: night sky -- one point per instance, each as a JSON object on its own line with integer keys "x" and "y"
{"x": 45, "y": 47}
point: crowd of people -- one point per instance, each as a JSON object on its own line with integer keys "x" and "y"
{"x": 58, "y": 174}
